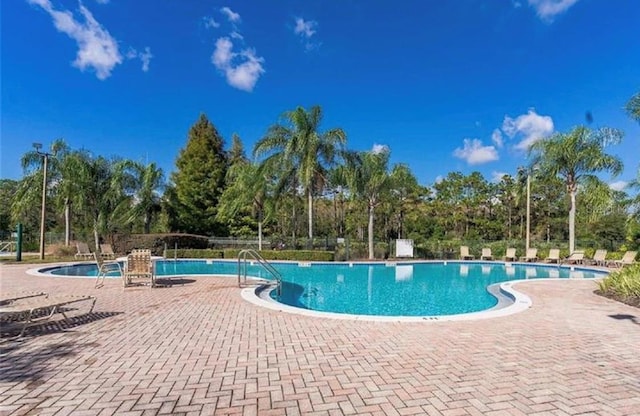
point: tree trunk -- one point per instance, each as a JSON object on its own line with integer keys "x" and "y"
{"x": 370, "y": 231}
{"x": 96, "y": 237}
{"x": 310, "y": 203}
{"x": 67, "y": 222}
{"x": 260, "y": 231}
{"x": 572, "y": 222}
{"x": 147, "y": 223}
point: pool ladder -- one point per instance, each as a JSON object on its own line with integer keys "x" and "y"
{"x": 254, "y": 256}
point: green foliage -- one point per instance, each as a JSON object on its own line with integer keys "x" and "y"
{"x": 8, "y": 188}
{"x": 624, "y": 283}
{"x": 198, "y": 182}
{"x": 123, "y": 243}
{"x": 294, "y": 255}
{"x": 633, "y": 107}
{"x": 206, "y": 253}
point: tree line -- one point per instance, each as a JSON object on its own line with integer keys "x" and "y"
{"x": 301, "y": 182}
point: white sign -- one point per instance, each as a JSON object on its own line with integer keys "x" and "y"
{"x": 404, "y": 248}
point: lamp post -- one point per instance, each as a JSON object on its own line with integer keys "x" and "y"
{"x": 527, "y": 241}
{"x": 45, "y": 158}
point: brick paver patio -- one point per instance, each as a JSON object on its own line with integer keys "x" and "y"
{"x": 198, "y": 348}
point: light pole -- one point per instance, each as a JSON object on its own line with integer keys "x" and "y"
{"x": 45, "y": 158}
{"x": 527, "y": 243}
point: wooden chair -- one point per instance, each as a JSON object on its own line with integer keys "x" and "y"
{"x": 140, "y": 267}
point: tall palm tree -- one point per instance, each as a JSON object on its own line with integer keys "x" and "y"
{"x": 633, "y": 107}
{"x": 368, "y": 174}
{"x": 298, "y": 148}
{"x": 575, "y": 157}
{"x": 148, "y": 182}
{"x": 61, "y": 181}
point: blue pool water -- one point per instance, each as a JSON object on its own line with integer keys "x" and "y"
{"x": 418, "y": 289}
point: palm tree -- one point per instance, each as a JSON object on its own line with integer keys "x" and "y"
{"x": 575, "y": 157}
{"x": 148, "y": 181}
{"x": 61, "y": 178}
{"x": 368, "y": 179}
{"x": 633, "y": 107}
{"x": 247, "y": 188}
{"x": 297, "y": 148}
{"x": 404, "y": 187}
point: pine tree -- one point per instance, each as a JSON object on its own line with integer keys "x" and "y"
{"x": 198, "y": 182}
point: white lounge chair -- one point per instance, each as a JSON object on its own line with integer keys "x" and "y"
{"x": 464, "y": 253}
{"x": 106, "y": 251}
{"x": 599, "y": 258}
{"x": 577, "y": 257}
{"x": 139, "y": 267}
{"x": 532, "y": 255}
{"x": 554, "y": 256}
{"x": 83, "y": 251}
{"x": 628, "y": 258}
{"x": 510, "y": 255}
{"x": 486, "y": 254}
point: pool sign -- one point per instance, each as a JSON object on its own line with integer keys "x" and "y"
{"x": 404, "y": 248}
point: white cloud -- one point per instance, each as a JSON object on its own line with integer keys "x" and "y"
{"x": 531, "y": 127}
{"x": 439, "y": 179}
{"x": 305, "y": 28}
{"x": 210, "y": 22}
{"x": 619, "y": 185}
{"x": 102, "y": 1}
{"x": 497, "y": 176}
{"x": 380, "y": 148}
{"x": 231, "y": 15}
{"x": 496, "y": 138}
{"x": 242, "y": 75}
{"x": 236, "y": 35}
{"x": 97, "y": 49}
{"x": 145, "y": 57}
{"x": 547, "y": 10}
{"x": 474, "y": 153}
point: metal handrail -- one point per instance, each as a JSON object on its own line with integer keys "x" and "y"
{"x": 7, "y": 246}
{"x": 242, "y": 267}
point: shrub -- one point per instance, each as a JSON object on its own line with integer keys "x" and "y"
{"x": 206, "y": 253}
{"x": 295, "y": 255}
{"x": 156, "y": 242}
{"x": 60, "y": 250}
{"x": 624, "y": 283}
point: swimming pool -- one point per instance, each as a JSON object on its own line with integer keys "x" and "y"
{"x": 379, "y": 289}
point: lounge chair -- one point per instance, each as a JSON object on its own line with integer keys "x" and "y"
{"x": 464, "y": 253}
{"x": 510, "y": 255}
{"x": 628, "y": 258}
{"x": 599, "y": 258}
{"x": 104, "y": 268}
{"x": 554, "y": 256}
{"x": 140, "y": 267}
{"x": 8, "y": 298}
{"x": 83, "y": 251}
{"x": 486, "y": 254}
{"x": 532, "y": 255}
{"x": 33, "y": 310}
{"x": 106, "y": 252}
{"x": 577, "y": 257}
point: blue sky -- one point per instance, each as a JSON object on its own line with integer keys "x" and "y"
{"x": 448, "y": 85}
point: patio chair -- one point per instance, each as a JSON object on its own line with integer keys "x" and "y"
{"x": 532, "y": 255}
{"x": 34, "y": 310}
{"x": 554, "y": 256}
{"x": 104, "y": 268}
{"x": 510, "y": 255}
{"x": 628, "y": 258}
{"x": 599, "y": 258}
{"x": 464, "y": 253}
{"x": 106, "y": 251}
{"x": 83, "y": 251}
{"x": 139, "y": 266}
{"x": 577, "y": 257}
{"x": 486, "y": 254}
{"x": 8, "y": 298}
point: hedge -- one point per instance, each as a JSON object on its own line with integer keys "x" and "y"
{"x": 295, "y": 255}
{"x": 123, "y": 243}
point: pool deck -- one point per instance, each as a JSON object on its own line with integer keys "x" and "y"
{"x": 198, "y": 348}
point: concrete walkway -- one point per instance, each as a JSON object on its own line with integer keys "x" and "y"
{"x": 198, "y": 349}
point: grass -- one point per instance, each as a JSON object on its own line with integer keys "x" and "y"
{"x": 623, "y": 285}
{"x": 35, "y": 259}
